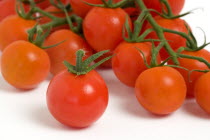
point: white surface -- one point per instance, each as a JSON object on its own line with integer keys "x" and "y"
{"x": 24, "y": 115}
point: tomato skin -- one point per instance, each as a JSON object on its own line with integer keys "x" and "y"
{"x": 202, "y": 92}
{"x": 11, "y": 32}
{"x": 175, "y": 41}
{"x": 191, "y": 64}
{"x": 77, "y": 101}
{"x": 66, "y": 50}
{"x": 46, "y": 3}
{"x": 24, "y": 65}
{"x": 108, "y": 25}
{"x": 128, "y": 62}
{"x": 176, "y": 5}
{"x": 160, "y": 90}
{"x": 7, "y": 8}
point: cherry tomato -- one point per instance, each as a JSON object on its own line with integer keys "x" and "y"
{"x": 176, "y": 5}
{"x": 128, "y": 63}
{"x": 174, "y": 40}
{"x": 80, "y": 8}
{"x": 191, "y": 64}
{"x": 108, "y": 26}
{"x": 7, "y": 8}
{"x": 202, "y": 92}
{"x": 66, "y": 50}
{"x": 77, "y": 101}
{"x": 24, "y": 65}
{"x": 160, "y": 90}
{"x": 14, "y": 28}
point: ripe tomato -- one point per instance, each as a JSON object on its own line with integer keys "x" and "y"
{"x": 202, "y": 92}
{"x": 77, "y": 101}
{"x": 24, "y": 65}
{"x": 14, "y": 28}
{"x": 108, "y": 26}
{"x": 176, "y": 5}
{"x": 7, "y": 8}
{"x": 128, "y": 62}
{"x": 160, "y": 90}
{"x": 66, "y": 50}
{"x": 46, "y": 3}
{"x": 80, "y": 8}
{"x": 174, "y": 40}
{"x": 191, "y": 64}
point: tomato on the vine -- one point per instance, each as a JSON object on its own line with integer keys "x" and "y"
{"x": 192, "y": 64}
{"x": 103, "y": 27}
{"x": 24, "y": 65}
{"x": 174, "y": 40}
{"x": 176, "y": 5}
{"x": 202, "y": 92}
{"x": 160, "y": 90}
{"x": 14, "y": 28}
{"x": 66, "y": 50}
{"x": 128, "y": 62}
{"x": 77, "y": 97}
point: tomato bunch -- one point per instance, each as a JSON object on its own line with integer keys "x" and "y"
{"x": 146, "y": 43}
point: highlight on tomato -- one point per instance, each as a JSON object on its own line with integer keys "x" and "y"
{"x": 24, "y": 65}
{"x": 78, "y": 97}
{"x": 160, "y": 90}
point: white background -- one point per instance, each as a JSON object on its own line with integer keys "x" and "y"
{"x": 24, "y": 115}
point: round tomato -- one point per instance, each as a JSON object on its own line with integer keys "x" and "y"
{"x": 24, "y": 65}
{"x": 160, "y": 90}
{"x": 174, "y": 40}
{"x": 128, "y": 62}
{"x": 14, "y": 28}
{"x": 77, "y": 101}
{"x": 7, "y": 8}
{"x": 176, "y": 5}
{"x": 202, "y": 92}
{"x": 66, "y": 50}
{"x": 103, "y": 28}
{"x": 191, "y": 64}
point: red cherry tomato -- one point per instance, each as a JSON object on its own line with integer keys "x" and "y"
{"x": 24, "y": 65}
{"x": 160, "y": 90}
{"x": 174, "y": 40}
{"x": 14, "y": 28}
{"x": 108, "y": 26}
{"x": 191, "y": 64}
{"x": 202, "y": 92}
{"x": 176, "y": 5}
{"x": 77, "y": 101}
{"x": 128, "y": 63}
{"x": 7, "y": 8}
{"x": 66, "y": 50}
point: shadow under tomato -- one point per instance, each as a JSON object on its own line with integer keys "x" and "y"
{"x": 192, "y": 108}
{"x": 128, "y": 102}
{"x": 42, "y": 116}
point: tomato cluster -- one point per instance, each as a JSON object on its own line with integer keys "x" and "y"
{"x": 156, "y": 54}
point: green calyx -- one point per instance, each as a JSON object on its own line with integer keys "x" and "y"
{"x": 111, "y": 4}
{"x": 83, "y": 67}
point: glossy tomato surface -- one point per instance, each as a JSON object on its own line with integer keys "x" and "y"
{"x": 160, "y": 90}
{"x": 14, "y": 28}
{"x": 128, "y": 62}
{"x": 176, "y": 5}
{"x": 77, "y": 101}
{"x": 66, "y": 50}
{"x": 103, "y": 28}
{"x": 202, "y": 92}
{"x": 174, "y": 40}
{"x": 24, "y": 65}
